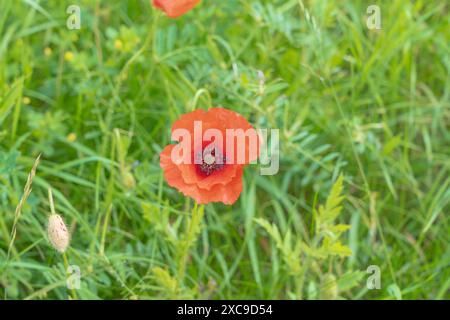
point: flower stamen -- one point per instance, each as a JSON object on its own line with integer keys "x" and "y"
{"x": 211, "y": 163}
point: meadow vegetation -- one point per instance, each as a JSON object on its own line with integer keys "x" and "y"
{"x": 364, "y": 179}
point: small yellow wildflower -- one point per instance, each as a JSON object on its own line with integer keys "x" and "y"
{"x": 68, "y": 56}
{"x": 72, "y": 137}
{"x": 26, "y": 100}
{"x": 118, "y": 44}
{"x": 48, "y": 51}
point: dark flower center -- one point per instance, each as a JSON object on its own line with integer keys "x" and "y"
{"x": 211, "y": 162}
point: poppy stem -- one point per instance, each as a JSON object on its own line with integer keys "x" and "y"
{"x": 189, "y": 238}
{"x": 197, "y": 96}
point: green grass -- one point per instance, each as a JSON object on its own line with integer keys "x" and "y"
{"x": 372, "y": 105}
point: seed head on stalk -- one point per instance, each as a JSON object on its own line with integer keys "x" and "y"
{"x": 58, "y": 235}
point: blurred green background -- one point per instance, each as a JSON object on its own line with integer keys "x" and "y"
{"x": 98, "y": 103}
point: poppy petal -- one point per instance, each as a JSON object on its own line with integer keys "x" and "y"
{"x": 175, "y": 8}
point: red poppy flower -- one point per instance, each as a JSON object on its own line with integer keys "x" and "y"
{"x": 175, "y": 8}
{"x": 213, "y": 148}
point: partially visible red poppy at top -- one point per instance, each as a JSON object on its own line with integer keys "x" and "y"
{"x": 175, "y": 8}
{"x": 212, "y": 149}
